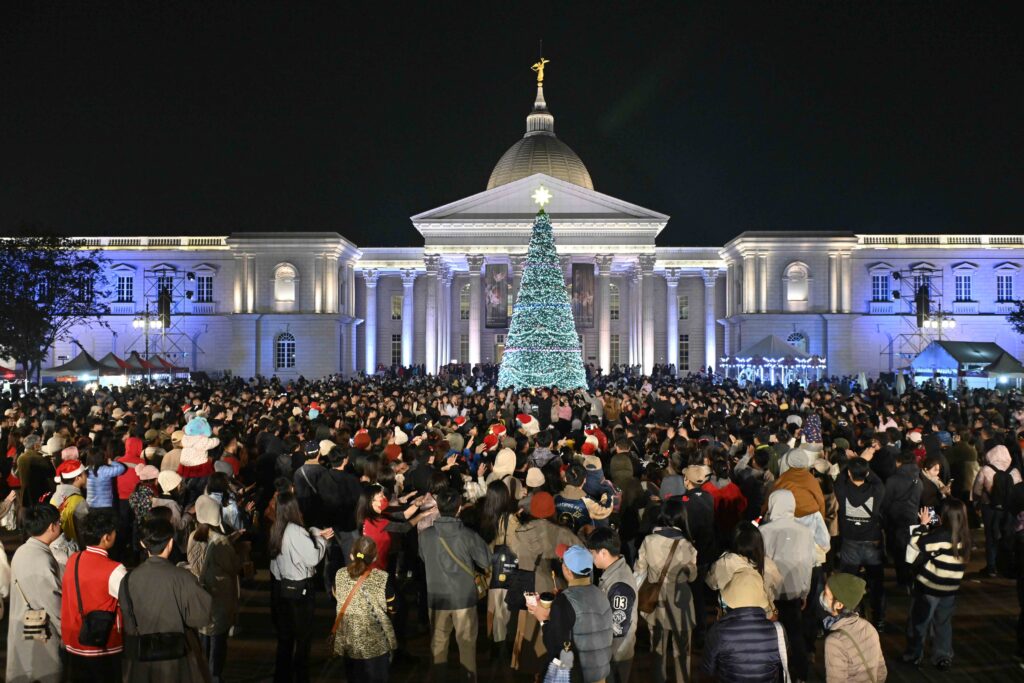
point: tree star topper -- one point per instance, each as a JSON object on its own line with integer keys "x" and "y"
{"x": 541, "y": 196}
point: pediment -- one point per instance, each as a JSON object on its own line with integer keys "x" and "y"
{"x": 512, "y": 202}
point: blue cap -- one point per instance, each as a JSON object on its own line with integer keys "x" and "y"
{"x": 577, "y": 558}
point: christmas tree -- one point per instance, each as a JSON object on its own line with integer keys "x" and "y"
{"x": 542, "y": 349}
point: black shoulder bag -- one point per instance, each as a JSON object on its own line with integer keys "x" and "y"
{"x": 96, "y": 625}
{"x": 151, "y": 647}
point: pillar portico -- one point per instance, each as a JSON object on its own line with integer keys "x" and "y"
{"x": 604, "y": 316}
{"x": 408, "y": 315}
{"x": 430, "y": 333}
{"x": 371, "y": 277}
{"x": 475, "y": 263}
{"x": 672, "y": 316}
{"x": 646, "y": 282}
{"x": 710, "y": 278}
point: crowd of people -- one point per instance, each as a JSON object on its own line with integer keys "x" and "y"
{"x": 689, "y": 521}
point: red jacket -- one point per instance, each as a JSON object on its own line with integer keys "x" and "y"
{"x": 132, "y": 456}
{"x": 94, "y": 578}
{"x": 730, "y": 504}
{"x": 375, "y": 530}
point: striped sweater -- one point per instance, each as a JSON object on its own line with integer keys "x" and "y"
{"x": 942, "y": 572}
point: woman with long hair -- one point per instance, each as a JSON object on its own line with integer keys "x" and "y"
{"x": 364, "y": 636}
{"x": 498, "y": 522}
{"x": 668, "y": 550}
{"x": 102, "y": 472}
{"x": 294, "y": 556}
{"x": 939, "y": 555}
{"x": 747, "y": 553}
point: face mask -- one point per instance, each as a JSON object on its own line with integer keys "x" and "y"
{"x": 383, "y": 505}
{"x": 824, "y": 604}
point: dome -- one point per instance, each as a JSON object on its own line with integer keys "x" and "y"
{"x": 540, "y": 152}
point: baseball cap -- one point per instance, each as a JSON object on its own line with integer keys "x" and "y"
{"x": 577, "y": 558}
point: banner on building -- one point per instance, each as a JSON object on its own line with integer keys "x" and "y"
{"x": 583, "y": 294}
{"x": 496, "y": 295}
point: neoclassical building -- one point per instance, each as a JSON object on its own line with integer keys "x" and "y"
{"x": 314, "y": 304}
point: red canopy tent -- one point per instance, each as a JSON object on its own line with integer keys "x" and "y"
{"x": 110, "y": 364}
{"x": 8, "y": 374}
{"x": 137, "y": 363}
{"x": 169, "y": 367}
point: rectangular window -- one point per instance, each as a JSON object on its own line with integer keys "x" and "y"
{"x": 396, "y": 348}
{"x": 396, "y": 306}
{"x": 684, "y": 307}
{"x": 613, "y": 302}
{"x": 463, "y": 348}
{"x": 880, "y": 287}
{"x": 510, "y": 304}
{"x": 1004, "y": 287}
{"x": 684, "y": 353}
{"x": 963, "y": 287}
{"x": 204, "y": 289}
{"x": 464, "y": 303}
{"x": 614, "y": 349}
{"x": 165, "y": 282}
{"x": 125, "y": 289}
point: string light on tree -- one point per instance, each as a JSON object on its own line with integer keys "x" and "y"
{"x": 543, "y": 349}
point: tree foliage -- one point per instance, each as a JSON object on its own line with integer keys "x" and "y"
{"x": 1016, "y": 318}
{"x": 48, "y": 285}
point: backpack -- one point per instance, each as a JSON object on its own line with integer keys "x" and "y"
{"x": 1002, "y": 488}
{"x": 504, "y": 563}
{"x": 67, "y": 515}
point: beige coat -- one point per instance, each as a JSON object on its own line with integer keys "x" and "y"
{"x": 36, "y": 576}
{"x": 842, "y": 662}
{"x": 726, "y": 566}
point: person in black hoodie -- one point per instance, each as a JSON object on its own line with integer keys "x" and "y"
{"x": 339, "y": 494}
{"x": 860, "y": 494}
{"x": 900, "y": 511}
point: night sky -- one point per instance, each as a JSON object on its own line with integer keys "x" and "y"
{"x": 178, "y": 118}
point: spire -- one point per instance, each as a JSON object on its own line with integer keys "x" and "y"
{"x": 540, "y": 121}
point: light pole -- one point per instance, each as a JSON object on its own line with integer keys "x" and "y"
{"x": 147, "y": 322}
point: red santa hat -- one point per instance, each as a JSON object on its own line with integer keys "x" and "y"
{"x": 69, "y": 469}
{"x": 361, "y": 440}
{"x": 498, "y": 430}
{"x": 490, "y": 441}
{"x": 460, "y": 420}
{"x": 528, "y": 424}
{"x": 589, "y": 447}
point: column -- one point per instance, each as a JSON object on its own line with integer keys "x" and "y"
{"x": 319, "y": 263}
{"x": 748, "y": 305}
{"x": 239, "y": 289}
{"x": 430, "y": 332}
{"x": 370, "y": 333}
{"x": 604, "y": 316}
{"x": 475, "y": 262}
{"x": 634, "y": 336}
{"x": 444, "y": 343}
{"x": 672, "y": 317}
{"x": 250, "y": 283}
{"x": 353, "y": 351}
{"x": 833, "y": 283}
{"x": 730, "y": 275}
{"x": 710, "y": 329}
{"x": 647, "y": 292}
{"x": 846, "y": 285}
{"x": 408, "y": 315}
{"x": 762, "y": 274}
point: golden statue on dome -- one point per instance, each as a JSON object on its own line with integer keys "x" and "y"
{"x": 539, "y": 68}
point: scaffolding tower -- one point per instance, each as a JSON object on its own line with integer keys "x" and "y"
{"x": 167, "y": 295}
{"x": 917, "y": 294}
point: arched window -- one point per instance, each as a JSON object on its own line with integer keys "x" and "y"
{"x": 284, "y": 351}
{"x": 285, "y": 277}
{"x": 464, "y": 302}
{"x": 798, "y": 340}
{"x": 796, "y": 281}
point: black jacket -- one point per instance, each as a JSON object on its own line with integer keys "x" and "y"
{"x": 860, "y": 507}
{"x": 743, "y": 647}
{"x": 339, "y": 495}
{"x": 700, "y": 520}
{"x": 903, "y": 496}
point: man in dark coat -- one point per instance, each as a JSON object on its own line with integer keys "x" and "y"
{"x": 900, "y": 511}
{"x": 158, "y": 597}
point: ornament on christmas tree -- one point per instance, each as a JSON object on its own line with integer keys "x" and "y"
{"x": 542, "y": 349}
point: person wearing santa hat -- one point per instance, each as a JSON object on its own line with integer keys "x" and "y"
{"x": 528, "y": 424}
{"x": 69, "y": 498}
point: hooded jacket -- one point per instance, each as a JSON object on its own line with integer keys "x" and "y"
{"x": 806, "y": 491}
{"x": 790, "y": 544}
{"x": 860, "y": 508}
{"x": 998, "y": 458}
{"x": 842, "y": 663}
{"x": 903, "y": 496}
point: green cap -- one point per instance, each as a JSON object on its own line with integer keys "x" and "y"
{"x": 847, "y": 589}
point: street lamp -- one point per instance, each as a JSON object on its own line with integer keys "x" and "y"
{"x": 146, "y": 322}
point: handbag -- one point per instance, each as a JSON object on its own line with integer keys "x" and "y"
{"x": 560, "y": 668}
{"x": 479, "y": 580}
{"x": 341, "y": 612}
{"x": 97, "y": 624}
{"x": 151, "y": 647}
{"x": 647, "y": 596}
{"x": 35, "y": 624}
